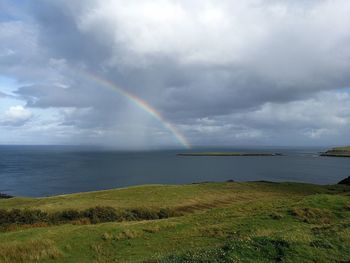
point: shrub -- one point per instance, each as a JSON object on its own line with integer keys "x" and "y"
{"x": 128, "y": 215}
{"x": 166, "y": 213}
{"x": 144, "y": 214}
{"x": 98, "y": 214}
{"x": 101, "y": 214}
{"x": 147, "y": 214}
{"x": 22, "y": 217}
{"x": 70, "y": 215}
{"x": 33, "y": 216}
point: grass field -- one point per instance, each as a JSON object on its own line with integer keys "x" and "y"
{"x": 216, "y": 222}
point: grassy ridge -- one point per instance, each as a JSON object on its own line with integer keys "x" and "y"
{"x": 345, "y": 148}
{"x": 226, "y": 154}
{"x": 338, "y": 152}
{"x": 247, "y": 222}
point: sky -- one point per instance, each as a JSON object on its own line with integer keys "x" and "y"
{"x": 175, "y": 73}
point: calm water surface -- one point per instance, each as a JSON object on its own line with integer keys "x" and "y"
{"x": 50, "y": 170}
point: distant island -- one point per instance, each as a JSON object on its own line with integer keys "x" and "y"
{"x": 337, "y": 152}
{"x": 227, "y": 154}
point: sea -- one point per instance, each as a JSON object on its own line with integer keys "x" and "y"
{"x": 37, "y": 171}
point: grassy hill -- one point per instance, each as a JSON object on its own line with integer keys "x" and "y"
{"x": 338, "y": 152}
{"x": 208, "y": 222}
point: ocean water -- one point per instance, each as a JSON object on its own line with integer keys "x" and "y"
{"x": 51, "y": 170}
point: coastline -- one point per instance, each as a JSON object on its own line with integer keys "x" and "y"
{"x": 337, "y": 152}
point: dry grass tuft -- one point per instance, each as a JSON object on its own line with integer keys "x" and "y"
{"x": 125, "y": 234}
{"x": 347, "y": 207}
{"x": 276, "y": 216}
{"x": 15, "y": 227}
{"x": 82, "y": 221}
{"x": 128, "y": 234}
{"x": 97, "y": 248}
{"x": 152, "y": 229}
{"x": 33, "y": 250}
{"x": 107, "y": 236}
{"x": 214, "y": 231}
{"x": 312, "y": 215}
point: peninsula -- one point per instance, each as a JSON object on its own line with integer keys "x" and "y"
{"x": 227, "y": 154}
{"x": 338, "y": 152}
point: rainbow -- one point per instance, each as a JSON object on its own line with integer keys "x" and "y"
{"x": 142, "y": 104}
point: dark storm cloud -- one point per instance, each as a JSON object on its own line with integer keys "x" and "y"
{"x": 59, "y": 32}
{"x": 212, "y": 68}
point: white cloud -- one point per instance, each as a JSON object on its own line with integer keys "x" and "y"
{"x": 16, "y": 116}
{"x": 327, "y": 109}
{"x": 224, "y": 33}
{"x": 193, "y": 32}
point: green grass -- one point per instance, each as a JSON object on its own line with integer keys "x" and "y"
{"x": 345, "y": 148}
{"x": 221, "y": 222}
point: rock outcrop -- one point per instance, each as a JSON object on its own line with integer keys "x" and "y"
{"x": 345, "y": 181}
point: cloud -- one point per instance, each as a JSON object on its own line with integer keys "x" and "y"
{"x": 16, "y": 116}
{"x": 321, "y": 120}
{"x": 228, "y": 72}
{"x": 3, "y": 95}
{"x": 257, "y": 49}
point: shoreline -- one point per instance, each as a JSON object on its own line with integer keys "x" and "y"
{"x": 4, "y": 196}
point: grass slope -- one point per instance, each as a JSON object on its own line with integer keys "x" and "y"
{"x": 222, "y": 222}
